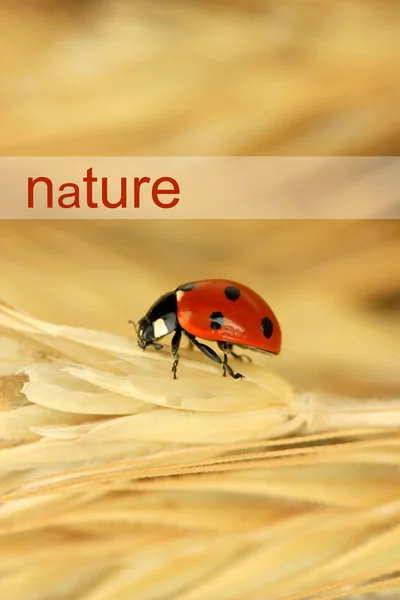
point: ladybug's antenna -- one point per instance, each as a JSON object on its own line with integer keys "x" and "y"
{"x": 134, "y": 324}
{"x": 154, "y": 344}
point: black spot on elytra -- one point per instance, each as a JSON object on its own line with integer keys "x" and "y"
{"x": 217, "y": 320}
{"x": 232, "y": 292}
{"x": 186, "y": 287}
{"x": 267, "y": 327}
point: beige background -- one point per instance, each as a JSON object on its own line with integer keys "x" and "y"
{"x": 199, "y": 77}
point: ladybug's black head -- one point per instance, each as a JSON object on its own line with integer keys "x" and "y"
{"x": 145, "y": 333}
{"x": 160, "y": 320}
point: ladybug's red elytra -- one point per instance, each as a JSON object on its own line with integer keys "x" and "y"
{"x": 218, "y": 310}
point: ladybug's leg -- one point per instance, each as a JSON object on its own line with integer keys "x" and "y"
{"x": 209, "y": 352}
{"x": 176, "y": 340}
{"x": 225, "y": 347}
{"x": 241, "y": 357}
{"x": 226, "y": 368}
{"x": 191, "y": 345}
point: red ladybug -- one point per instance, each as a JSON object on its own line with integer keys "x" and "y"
{"x": 218, "y": 310}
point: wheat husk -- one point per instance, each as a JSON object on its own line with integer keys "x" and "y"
{"x": 134, "y": 485}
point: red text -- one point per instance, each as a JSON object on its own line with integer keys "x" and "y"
{"x": 163, "y": 192}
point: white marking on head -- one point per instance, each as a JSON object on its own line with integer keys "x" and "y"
{"x": 160, "y": 328}
{"x": 179, "y": 295}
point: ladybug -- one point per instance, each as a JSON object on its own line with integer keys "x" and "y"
{"x": 218, "y": 310}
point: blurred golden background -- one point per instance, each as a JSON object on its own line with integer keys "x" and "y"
{"x": 193, "y": 77}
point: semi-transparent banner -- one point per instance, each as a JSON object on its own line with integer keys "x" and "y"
{"x": 199, "y": 188}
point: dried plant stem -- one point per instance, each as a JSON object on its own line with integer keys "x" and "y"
{"x": 149, "y": 488}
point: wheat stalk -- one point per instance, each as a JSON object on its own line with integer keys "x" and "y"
{"x": 134, "y": 485}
